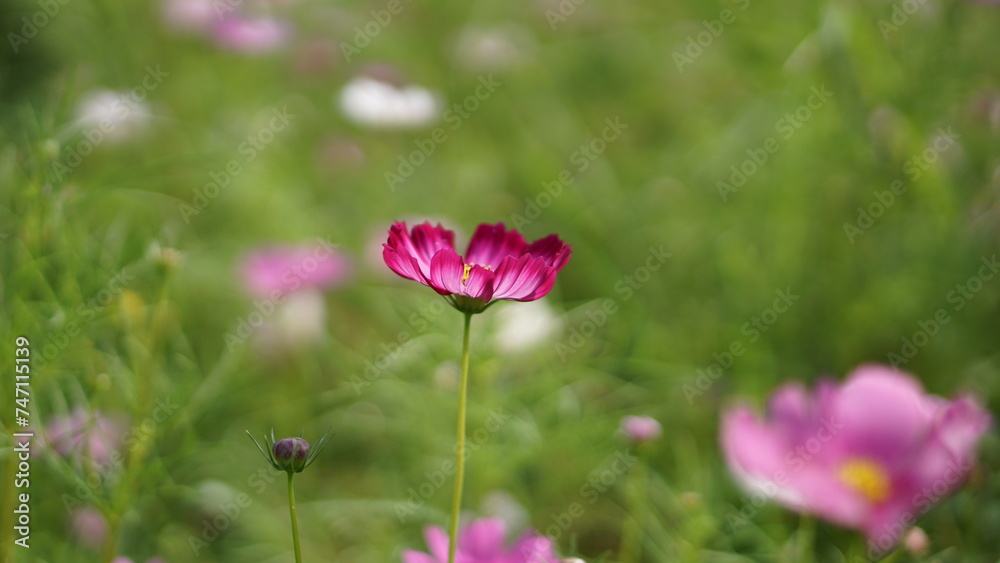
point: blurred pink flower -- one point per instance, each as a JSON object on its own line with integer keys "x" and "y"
{"x": 641, "y": 429}
{"x": 190, "y": 15}
{"x": 916, "y": 541}
{"x": 274, "y": 272}
{"x": 127, "y": 560}
{"x": 91, "y": 435}
{"x": 873, "y": 453}
{"x": 498, "y": 264}
{"x": 250, "y": 34}
{"x": 482, "y": 541}
{"x": 89, "y": 526}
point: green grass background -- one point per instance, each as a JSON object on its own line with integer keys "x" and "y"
{"x": 63, "y": 239}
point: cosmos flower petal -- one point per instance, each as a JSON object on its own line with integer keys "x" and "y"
{"x": 861, "y": 454}
{"x": 552, "y": 250}
{"x": 521, "y": 278}
{"x": 403, "y": 264}
{"x": 421, "y": 244}
{"x": 870, "y": 396}
{"x": 479, "y": 284}
{"x": 490, "y": 244}
{"x": 496, "y": 265}
{"x": 447, "y": 269}
{"x": 534, "y": 548}
{"x": 755, "y": 451}
{"x": 543, "y": 289}
{"x": 410, "y": 556}
{"x": 483, "y": 539}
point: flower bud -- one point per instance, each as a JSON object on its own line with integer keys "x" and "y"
{"x": 640, "y": 429}
{"x": 916, "y": 541}
{"x": 291, "y": 454}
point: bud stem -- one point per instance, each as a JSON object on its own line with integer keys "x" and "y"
{"x": 295, "y": 521}
{"x": 456, "y": 501}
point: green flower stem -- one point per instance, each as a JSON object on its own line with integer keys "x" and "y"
{"x": 456, "y": 501}
{"x": 295, "y": 520}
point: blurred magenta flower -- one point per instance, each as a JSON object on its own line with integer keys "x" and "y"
{"x": 278, "y": 271}
{"x": 92, "y": 436}
{"x": 247, "y": 34}
{"x": 498, "y": 264}
{"x": 482, "y": 541}
{"x": 640, "y": 429}
{"x": 873, "y": 453}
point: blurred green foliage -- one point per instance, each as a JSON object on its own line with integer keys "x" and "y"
{"x": 696, "y": 104}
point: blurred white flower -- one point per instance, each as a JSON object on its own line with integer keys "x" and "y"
{"x": 117, "y": 115}
{"x": 495, "y": 48}
{"x": 500, "y": 504}
{"x": 371, "y": 102}
{"x": 298, "y": 320}
{"x": 447, "y": 376}
{"x": 527, "y": 326}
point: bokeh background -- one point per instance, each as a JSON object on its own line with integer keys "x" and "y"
{"x": 637, "y": 131}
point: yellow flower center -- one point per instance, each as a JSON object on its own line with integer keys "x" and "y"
{"x": 468, "y": 269}
{"x": 867, "y": 478}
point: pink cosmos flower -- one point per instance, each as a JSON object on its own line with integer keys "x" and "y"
{"x": 89, "y": 526}
{"x": 250, "y": 34}
{"x": 278, "y": 271}
{"x": 873, "y": 453}
{"x": 482, "y": 541}
{"x": 93, "y": 436}
{"x": 640, "y": 429}
{"x": 498, "y": 264}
